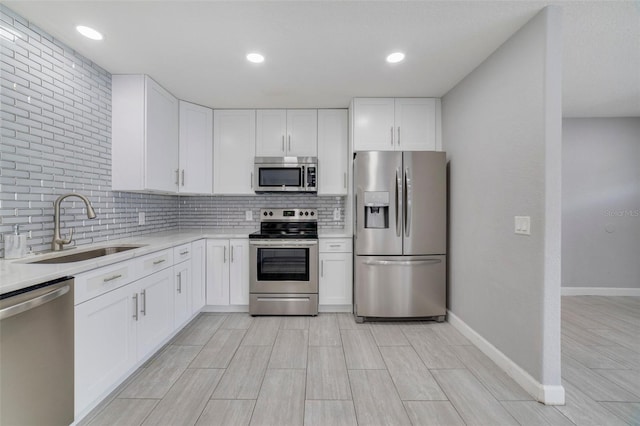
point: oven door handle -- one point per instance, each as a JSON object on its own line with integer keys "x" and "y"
{"x": 281, "y": 243}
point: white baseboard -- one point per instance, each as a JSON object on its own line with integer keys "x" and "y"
{"x": 225, "y": 308}
{"x": 336, "y": 308}
{"x": 548, "y": 395}
{"x": 600, "y": 291}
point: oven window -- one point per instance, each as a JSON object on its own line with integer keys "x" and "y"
{"x": 278, "y": 176}
{"x": 283, "y": 264}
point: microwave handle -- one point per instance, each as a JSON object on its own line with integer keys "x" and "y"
{"x": 304, "y": 177}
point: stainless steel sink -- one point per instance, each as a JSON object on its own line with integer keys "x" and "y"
{"x": 86, "y": 255}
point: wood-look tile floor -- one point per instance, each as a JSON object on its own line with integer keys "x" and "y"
{"x": 232, "y": 369}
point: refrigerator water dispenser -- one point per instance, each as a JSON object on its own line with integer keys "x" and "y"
{"x": 376, "y": 209}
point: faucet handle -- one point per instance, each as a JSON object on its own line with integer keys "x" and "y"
{"x": 68, "y": 240}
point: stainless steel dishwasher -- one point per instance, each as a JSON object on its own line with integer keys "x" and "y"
{"x": 36, "y": 355}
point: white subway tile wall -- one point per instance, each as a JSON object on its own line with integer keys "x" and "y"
{"x": 55, "y": 126}
{"x": 56, "y": 138}
{"x": 229, "y": 212}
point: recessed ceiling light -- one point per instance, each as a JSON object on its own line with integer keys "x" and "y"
{"x": 395, "y": 57}
{"x": 256, "y": 58}
{"x": 89, "y": 32}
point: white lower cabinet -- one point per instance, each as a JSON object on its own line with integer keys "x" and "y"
{"x": 228, "y": 272}
{"x": 182, "y": 293}
{"x": 198, "y": 275}
{"x": 335, "y": 286}
{"x": 155, "y": 310}
{"x": 105, "y": 343}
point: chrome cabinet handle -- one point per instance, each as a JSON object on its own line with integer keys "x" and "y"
{"x": 114, "y": 277}
{"x": 224, "y": 255}
{"x": 33, "y": 303}
{"x": 232, "y": 254}
{"x": 135, "y": 311}
{"x": 179, "y": 276}
{"x": 251, "y": 180}
{"x": 391, "y": 135}
{"x": 182, "y": 253}
{"x": 144, "y": 302}
{"x": 157, "y": 262}
{"x": 289, "y": 142}
{"x": 334, "y": 245}
{"x": 177, "y": 176}
{"x": 345, "y": 180}
{"x": 398, "y": 135}
{"x": 283, "y": 143}
{"x": 182, "y": 177}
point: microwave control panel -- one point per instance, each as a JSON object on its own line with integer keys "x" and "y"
{"x": 311, "y": 176}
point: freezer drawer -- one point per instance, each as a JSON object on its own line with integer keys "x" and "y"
{"x": 400, "y": 286}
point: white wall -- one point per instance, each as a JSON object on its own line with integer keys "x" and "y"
{"x": 601, "y": 202}
{"x": 502, "y": 133}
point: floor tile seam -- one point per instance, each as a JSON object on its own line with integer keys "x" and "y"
{"x": 594, "y": 399}
{"x": 603, "y": 378}
{"x": 264, "y": 373}
{"x": 488, "y": 392}
{"x": 449, "y": 397}
{"x": 600, "y": 403}
{"x": 344, "y": 357}
{"x": 488, "y": 388}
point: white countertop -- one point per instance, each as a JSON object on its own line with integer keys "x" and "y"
{"x": 17, "y": 274}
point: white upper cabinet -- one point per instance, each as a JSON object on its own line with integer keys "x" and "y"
{"x": 144, "y": 135}
{"x": 333, "y": 151}
{"x": 234, "y": 135}
{"x": 290, "y": 133}
{"x": 196, "y": 149}
{"x": 396, "y": 124}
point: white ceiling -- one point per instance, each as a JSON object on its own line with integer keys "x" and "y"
{"x": 323, "y": 53}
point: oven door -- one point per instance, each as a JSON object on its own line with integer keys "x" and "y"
{"x": 284, "y": 266}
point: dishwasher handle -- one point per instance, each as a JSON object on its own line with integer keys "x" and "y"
{"x": 33, "y": 303}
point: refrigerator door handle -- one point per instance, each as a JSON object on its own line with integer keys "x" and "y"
{"x": 398, "y": 202}
{"x": 407, "y": 208}
{"x": 403, "y": 262}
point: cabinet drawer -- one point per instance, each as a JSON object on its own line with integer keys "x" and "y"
{"x": 182, "y": 253}
{"x": 154, "y": 262}
{"x": 99, "y": 281}
{"x": 336, "y": 245}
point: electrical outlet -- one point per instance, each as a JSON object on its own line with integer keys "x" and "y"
{"x": 248, "y": 215}
{"x": 336, "y": 214}
{"x": 523, "y": 225}
{"x": 141, "y": 218}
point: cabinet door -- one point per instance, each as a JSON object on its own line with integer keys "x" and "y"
{"x": 196, "y": 149}
{"x": 234, "y": 137}
{"x": 271, "y": 128}
{"x": 217, "y": 272}
{"x": 302, "y": 132}
{"x": 182, "y": 293}
{"x": 415, "y": 124}
{"x": 239, "y": 272}
{"x": 198, "y": 275}
{"x": 155, "y": 317}
{"x": 373, "y": 124}
{"x": 105, "y": 343}
{"x": 333, "y": 147}
{"x": 335, "y": 285}
{"x": 161, "y": 141}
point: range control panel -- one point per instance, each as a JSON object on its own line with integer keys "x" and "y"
{"x": 289, "y": 214}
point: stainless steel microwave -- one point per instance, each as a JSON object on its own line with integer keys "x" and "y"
{"x": 285, "y": 174}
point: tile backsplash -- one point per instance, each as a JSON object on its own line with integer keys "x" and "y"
{"x": 229, "y": 211}
{"x": 55, "y": 128}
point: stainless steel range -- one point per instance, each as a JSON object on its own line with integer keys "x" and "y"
{"x": 284, "y": 263}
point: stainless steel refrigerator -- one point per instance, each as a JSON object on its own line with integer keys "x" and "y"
{"x": 400, "y": 234}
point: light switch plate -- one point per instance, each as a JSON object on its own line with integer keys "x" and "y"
{"x": 336, "y": 214}
{"x": 523, "y": 225}
{"x": 248, "y": 215}
{"x": 141, "y": 218}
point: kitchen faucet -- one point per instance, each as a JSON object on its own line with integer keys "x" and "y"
{"x": 58, "y": 242}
